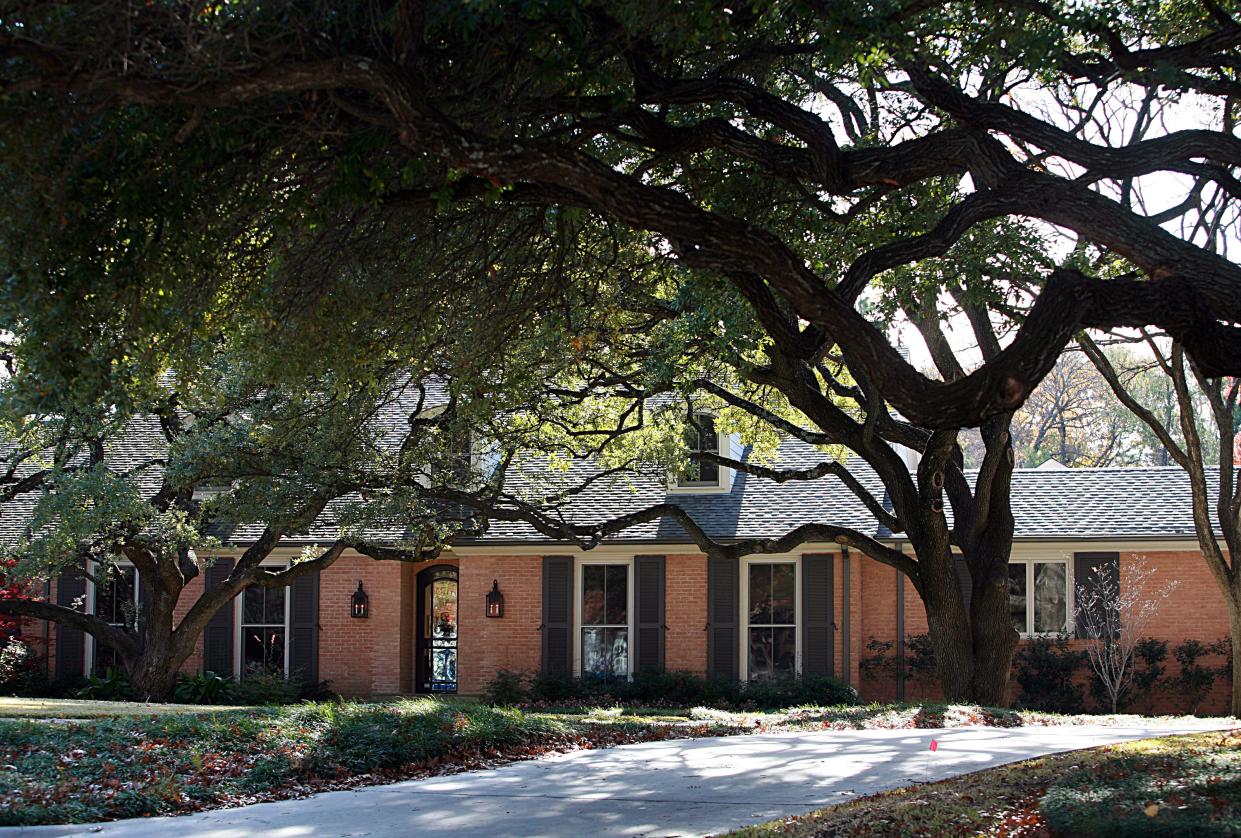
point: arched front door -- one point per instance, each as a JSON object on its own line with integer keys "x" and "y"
{"x": 436, "y": 661}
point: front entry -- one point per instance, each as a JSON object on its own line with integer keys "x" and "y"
{"x": 436, "y": 653}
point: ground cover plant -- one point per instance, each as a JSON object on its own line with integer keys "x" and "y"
{"x": 1176, "y": 785}
{"x": 87, "y": 763}
{"x": 108, "y": 768}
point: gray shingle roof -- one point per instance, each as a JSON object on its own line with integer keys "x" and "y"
{"x": 1047, "y": 504}
{"x": 1078, "y": 503}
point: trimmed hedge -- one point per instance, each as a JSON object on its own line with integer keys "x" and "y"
{"x": 669, "y": 689}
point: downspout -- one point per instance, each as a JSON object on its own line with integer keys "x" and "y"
{"x": 47, "y": 634}
{"x": 900, "y": 631}
{"x": 845, "y": 633}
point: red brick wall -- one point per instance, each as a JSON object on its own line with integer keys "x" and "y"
{"x": 1195, "y": 611}
{"x": 362, "y": 657}
{"x": 685, "y": 613}
{"x": 511, "y": 642}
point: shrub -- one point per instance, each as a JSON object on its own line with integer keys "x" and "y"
{"x": 1194, "y": 680}
{"x": 113, "y": 685}
{"x": 669, "y": 689}
{"x": 21, "y": 672}
{"x": 1148, "y": 670}
{"x": 881, "y": 664}
{"x": 266, "y": 686}
{"x": 207, "y": 688}
{"x": 506, "y": 689}
{"x": 1044, "y": 669}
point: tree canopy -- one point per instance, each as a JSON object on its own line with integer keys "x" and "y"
{"x": 591, "y": 218}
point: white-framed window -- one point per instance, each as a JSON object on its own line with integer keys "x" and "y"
{"x": 604, "y": 604}
{"x": 211, "y": 488}
{"x": 771, "y": 609}
{"x": 701, "y": 436}
{"x": 1039, "y": 596}
{"x": 262, "y": 629}
{"x": 115, "y": 600}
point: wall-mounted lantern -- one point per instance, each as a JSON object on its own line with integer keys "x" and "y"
{"x": 495, "y": 600}
{"x": 360, "y": 603}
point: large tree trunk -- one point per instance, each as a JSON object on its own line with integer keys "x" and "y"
{"x": 994, "y": 640}
{"x": 162, "y": 650}
{"x": 153, "y": 677}
{"x": 974, "y": 651}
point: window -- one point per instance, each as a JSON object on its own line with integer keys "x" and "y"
{"x": 701, "y": 436}
{"x": 771, "y": 639}
{"x": 116, "y": 601}
{"x": 1038, "y": 596}
{"x": 212, "y": 487}
{"x": 605, "y": 620}
{"x": 264, "y": 629}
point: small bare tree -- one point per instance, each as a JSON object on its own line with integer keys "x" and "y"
{"x": 1114, "y": 617}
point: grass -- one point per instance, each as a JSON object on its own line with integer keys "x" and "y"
{"x": 1176, "y": 785}
{"x": 80, "y": 761}
{"x": 130, "y": 766}
{"x": 75, "y": 708}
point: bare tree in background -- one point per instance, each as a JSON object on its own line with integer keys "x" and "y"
{"x": 1114, "y": 617}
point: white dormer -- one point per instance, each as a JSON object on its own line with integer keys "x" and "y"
{"x": 210, "y": 488}
{"x": 704, "y": 477}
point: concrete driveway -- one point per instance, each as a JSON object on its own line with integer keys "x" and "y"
{"x": 686, "y": 787}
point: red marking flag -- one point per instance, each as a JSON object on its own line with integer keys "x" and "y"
{"x": 934, "y": 745}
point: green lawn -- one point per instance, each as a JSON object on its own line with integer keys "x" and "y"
{"x": 1176, "y": 785}
{"x": 76, "y": 708}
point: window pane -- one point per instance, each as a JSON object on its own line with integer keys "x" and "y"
{"x": 1017, "y": 595}
{"x": 114, "y": 598}
{"x": 262, "y": 648}
{"x": 616, "y": 594}
{"x": 783, "y": 585}
{"x": 273, "y": 611}
{"x": 444, "y": 665}
{"x": 252, "y": 605}
{"x": 783, "y": 652}
{"x": 605, "y": 651}
{"x": 760, "y": 654}
{"x": 1050, "y": 596}
{"x": 592, "y": 594}
{"x": 760, "y": 594}
{"x": 707, "y": 438}
{"x": 444, "y": 608}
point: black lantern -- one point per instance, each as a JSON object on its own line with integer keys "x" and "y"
{"x": 359, "y": 603}
{"x": 495, "y": 601}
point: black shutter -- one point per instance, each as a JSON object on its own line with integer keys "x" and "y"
{"x": 818, "y": 610}
{"x": 649, "y": 605}
{"x": 723, "y": 617}
{"x": 70, "y": 641}
{"x": 218, "y": 637}
{"x": 557, "y": 615}
{"x": 304, "y": 629}
{"x": 1096, "y": 572}
{"x": 963, "y": 579}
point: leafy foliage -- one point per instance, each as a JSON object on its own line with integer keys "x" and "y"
{"x": 1044, "y": 668}
{"x": 112, "y": 685}
{"x": 670, "y": 689}
{"x": 1192, "y": 791}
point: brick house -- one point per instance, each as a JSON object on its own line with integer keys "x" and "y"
{"x": 649, "y": 599}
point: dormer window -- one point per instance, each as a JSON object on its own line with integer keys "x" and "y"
{"x": 701, "y": 437}
{"x": 212, "y": 487}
